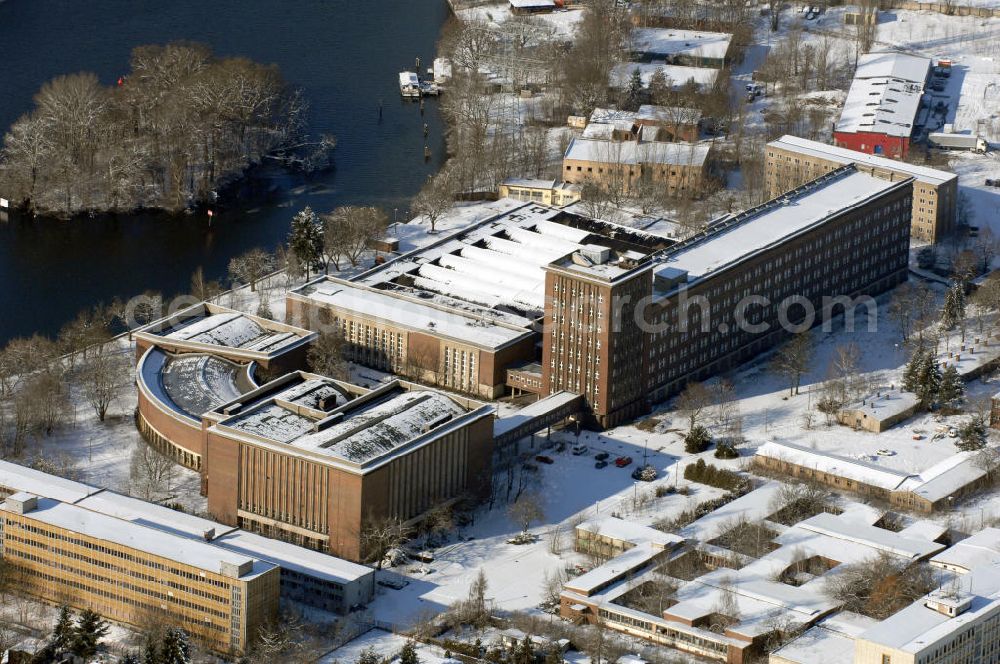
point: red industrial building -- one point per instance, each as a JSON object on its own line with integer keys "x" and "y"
{"x": 881, "y": 108}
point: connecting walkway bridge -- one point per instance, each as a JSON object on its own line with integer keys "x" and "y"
{"x": 533, "y": 418}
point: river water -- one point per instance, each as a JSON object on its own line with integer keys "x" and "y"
{"x": 344, "y": 54}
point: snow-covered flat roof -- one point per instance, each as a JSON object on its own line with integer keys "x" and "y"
{"x": 946, "y": 477}
{"x": 530, "y": 183}
{"x": 295, "y": 558}
{"x": 152, "y": 541}
{"x": 884, "y": 404}
{"x": 17, "y": 479}
{"x": 754, "y": 506}
{"x": 981, "y": 549}
{"x": 358, "y": 432}
{"x": 382, "y": 425}
{"x": 407, "y": 313}
{"x": 634, "y": 152}
{"x": 823, "y": 643}
{"x": 887, "y": 64}
{"x": 852, "y": 469}
{"x": 629, "y": 531}
{"x": 151, "y": 515}
{"x": 663, "y": 42}
{"x": 730, "y": 241}
{"x": 622, "y": 565}
{"x": 232, "y": 540}
{"x": 873, "y": 537}
{"x": 541, "y": 407}
{"x": 480, "y": 283}
{"x": 885, "y": 94}
{"x": 841, "y": 155}
{"x": 677, "y": 76}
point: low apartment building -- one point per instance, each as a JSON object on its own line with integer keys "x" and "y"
{"x": 136, "y": 575}
{"x": 680, "y": 169}
{"x": 303, "y": 461}
{"x": 792, "y": 161}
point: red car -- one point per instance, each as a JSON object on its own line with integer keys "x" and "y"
{"x": 623, "y": 461}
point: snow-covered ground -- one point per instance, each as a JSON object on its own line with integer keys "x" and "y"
{"x": 558, "y": 24}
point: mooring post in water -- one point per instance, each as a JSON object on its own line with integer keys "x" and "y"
{"x": 417, "y": 62}
{"x": 426, "y": 130}
{"x": 380, "y": 110}
{"x": 427, "y": 153}
{"x": 421, "y": 106}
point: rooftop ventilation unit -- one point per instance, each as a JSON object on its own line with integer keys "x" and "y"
{"x": 596, "y": 254}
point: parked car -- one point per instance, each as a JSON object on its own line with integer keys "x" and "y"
{"x": 541, "y": 458}
{"x": 623, "y": 461}
{"x": 601, "y": 464}
{"x": 579, "y": 450}
{"x": 602, "y": 456}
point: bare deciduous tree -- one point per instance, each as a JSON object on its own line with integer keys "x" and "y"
{"x": 103, "y": 376}
{"x": 250, "y": 267}
{"x": 151, "y": 474}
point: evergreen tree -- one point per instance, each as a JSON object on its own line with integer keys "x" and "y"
{"x": 175, "y": 648}
{"x": 910, "y": 372}
{"x": 62, "y": 633}
{"x": 129, "y": 658}
{"x": 151, "y": 653}
{"x": 90, "y": 629}
{"x": 408, "y": 655}
{"x": 524, "y": 652}
{"x": 697, "y": 440}
{"x": 633, "y": 94}
{"x": 952, "y": 388}
{"x": 368, "y": 656}
{"x": 306, "y": 240}
{"x": 658, "y": 87}
{"x": 922, "y": 376}
{"x": 953, "y": 310}
{"x": 972, "y": 434}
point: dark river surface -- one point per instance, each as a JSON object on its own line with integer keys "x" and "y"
{"x": 344, "y": 54}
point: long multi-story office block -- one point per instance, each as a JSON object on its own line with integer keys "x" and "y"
{"x": 136, "y": 575}
{"x": 792, "y": 161}
{"x": 626, "y": 328}
{"x": 622, "y": 316}
{"x": 307, "y": 576}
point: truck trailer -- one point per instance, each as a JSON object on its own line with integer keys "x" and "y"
{"x": 945, "y": 141}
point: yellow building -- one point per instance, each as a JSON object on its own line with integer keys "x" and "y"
{"x": 546, "y": 192}
{"x": 135, "y": 575}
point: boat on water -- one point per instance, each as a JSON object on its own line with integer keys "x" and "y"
{"x": 409, "y": 85}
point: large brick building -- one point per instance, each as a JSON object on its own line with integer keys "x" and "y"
{"x": 881, "y": 111}
{"x": 304, "y": 460}
{"x": 844, "y": 234}
{"x": 618, "y": 325}
{"x": 134, "y": 574}
{"x": 792, "y": 161}
{"x": 199, "y": 358}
